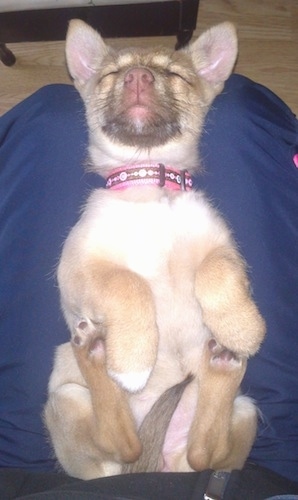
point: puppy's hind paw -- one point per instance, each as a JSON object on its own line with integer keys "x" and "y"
{"x": 88, "y": 338}
{"x": 222, "y": 358}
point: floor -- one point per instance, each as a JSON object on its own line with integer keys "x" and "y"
{"x": 268, "y": 50}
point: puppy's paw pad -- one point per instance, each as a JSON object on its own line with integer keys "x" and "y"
{"x": 222, "y": 358}
{"x": 84, "y": 329}
{"x": 88, "y": 339}
{"x": 96, "y": 347}
{"x": 78, "y": 341}
{"x": 93, "y": 349}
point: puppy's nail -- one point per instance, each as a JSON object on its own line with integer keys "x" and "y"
{"x": 132, "y": 382}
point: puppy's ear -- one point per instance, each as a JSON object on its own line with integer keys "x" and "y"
{"x": 85, "y": 50}
{"x": 214, "y": 53}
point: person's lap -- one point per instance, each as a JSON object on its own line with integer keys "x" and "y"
{"x": 250, "y": 140}
{"x": 247, "y": 151}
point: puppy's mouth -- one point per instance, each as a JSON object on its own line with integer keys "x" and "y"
{"x": 138, "y": 115}
{"x": 139, "y": 127}
{"x": 139, "y": 112}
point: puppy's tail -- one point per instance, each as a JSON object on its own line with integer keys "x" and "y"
{"x": 154, "y": 427}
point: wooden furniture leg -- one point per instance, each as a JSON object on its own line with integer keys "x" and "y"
{"x": 6, "y": 56}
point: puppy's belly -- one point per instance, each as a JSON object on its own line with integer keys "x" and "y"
{"x": 181, "y": 342}
{"x": 175, "y": 445}
{"x": 169, "y": 371}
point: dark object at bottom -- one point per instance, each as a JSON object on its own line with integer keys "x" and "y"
{"x": 252, "y": 483}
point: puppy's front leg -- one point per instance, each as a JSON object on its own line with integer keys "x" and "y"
{"x": 118, "y": 304}
{"x": 228, "y": 310}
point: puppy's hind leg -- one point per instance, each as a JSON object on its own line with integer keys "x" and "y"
{"x": 69, "y": 419}
{"x": 91, "y": 428}
{"x": 224, "y": 426}
{"x": 113, "y": 423}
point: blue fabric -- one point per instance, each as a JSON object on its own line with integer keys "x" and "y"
{"x": 247, "y": 148}
{"x": 41, "y": 189}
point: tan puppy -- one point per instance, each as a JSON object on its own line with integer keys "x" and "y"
{"x": 152, "y": 286}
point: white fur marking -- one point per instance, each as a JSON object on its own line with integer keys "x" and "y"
{"x": 132, "y": 382}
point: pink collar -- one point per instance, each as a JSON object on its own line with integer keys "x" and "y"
{"x": 150, "y": 174}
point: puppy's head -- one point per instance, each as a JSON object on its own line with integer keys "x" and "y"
{"x": 147, "y": 105}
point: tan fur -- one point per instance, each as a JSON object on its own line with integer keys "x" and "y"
{"x": 152, "y": 285}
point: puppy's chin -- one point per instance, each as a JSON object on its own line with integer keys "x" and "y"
{"x": 140, "y": 127}
{"x": 139, "y": 112}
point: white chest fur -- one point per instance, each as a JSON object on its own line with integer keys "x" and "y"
{"x": 141, "y": 235}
